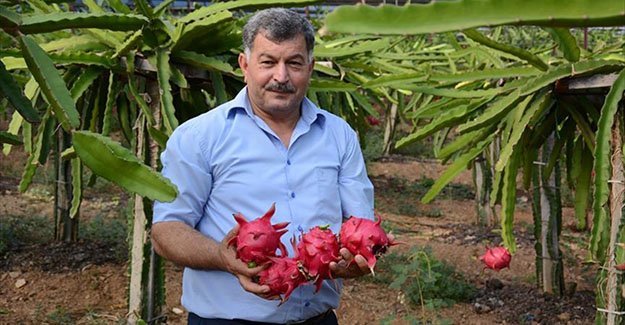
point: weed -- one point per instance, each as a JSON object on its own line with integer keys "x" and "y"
{"x": 19, "y": 230}
{"x": 60, "y": 316}
{"x": 424, "y": 280}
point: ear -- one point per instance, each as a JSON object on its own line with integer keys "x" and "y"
{"x": 243, "y": 65}
{"x": 311, "y": 66}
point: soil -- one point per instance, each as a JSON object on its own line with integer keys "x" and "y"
{"x": 86, "y": 282}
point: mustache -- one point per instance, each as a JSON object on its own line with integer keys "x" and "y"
{"x": 280, "y": 87}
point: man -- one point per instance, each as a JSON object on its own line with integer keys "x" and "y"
{"x": 269, "y": 144}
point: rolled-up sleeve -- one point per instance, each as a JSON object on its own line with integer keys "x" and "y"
{"x": 355, "y": 188}
{"x": 185, "y": 163}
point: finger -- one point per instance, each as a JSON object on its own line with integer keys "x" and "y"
{"x": 361, "y": 261}
{"x": 346, "y": 254}
{"x": 253, "y": 287}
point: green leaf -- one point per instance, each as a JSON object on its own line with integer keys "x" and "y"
{"x": 443, "y": 16}
{"x": 453, "y": 93}
{"x": 51, "y": 83}
{"x": 107, "y": 158}
{"x": 330, "y": 85}
{"x": 9, "y": 19}
{"x": 12, "y": 91}
{"x": 76, "y": 167}
{"x": 186, "y": 35}
{"x": 518, "y": 52}
{"x": 395, "y": 79}
{"x": 508, "y": 200}
{"x": 8, "y": 138}
{"x": 73, "y": 43}
{"x": 158, "y": 136}
{"x": 84, "y": 81}
{"x": 43, "y": 133}
{"x": 114, "y": 87}
{"x": 494, "y": 113}
{"x": 600, "y": 231}
{"x": 542, "y": 103}
{"x": 494, "y": 73}
{"x": 163, "y": 73}
{"x": 93, "y": 6}
{"x": 583, "y": 186}
{"x": 566, "y": 43}
{"x": 325, "y": 69}
{"x": 445, "y": 119}
{"x": 14, "y": 128}
{"x": 45, "y": 23}
{"x": 119, "y": 6}
{"x": 359, "y": 48}
{"x": 456, "y": 168}
{"x": 162, "y": 7}
{"x": 147, "y": 112}
{"x": 202, "y": 61}
{"x": 129, "y": 44}
{"x": 242, "y": 4}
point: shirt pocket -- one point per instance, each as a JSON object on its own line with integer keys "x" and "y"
{"x": 327, "y": 177}
{"x": 328, "y": 196}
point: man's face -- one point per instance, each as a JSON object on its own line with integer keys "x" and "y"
{"x": 277, "y": 74}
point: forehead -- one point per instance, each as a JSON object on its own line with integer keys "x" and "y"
{"x": 287, "y": 48}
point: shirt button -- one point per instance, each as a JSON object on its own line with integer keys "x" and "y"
{"x": 293, "y": 194}
{"x": 307, "y": 303}
{"x": 288, "y": 162}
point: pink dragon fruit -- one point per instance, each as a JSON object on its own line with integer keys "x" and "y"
{"x": 365, "y": 237}
{"x": 316, "y": 249}
{"x": 496, "y": 258}
{"x": 282, "y": 277}
{"x": 258, "y": 240}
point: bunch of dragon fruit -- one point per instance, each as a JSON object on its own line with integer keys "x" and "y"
{"x": 257, "y": 242}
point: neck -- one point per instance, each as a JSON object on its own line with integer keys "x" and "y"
{"x": 281, "y": 124}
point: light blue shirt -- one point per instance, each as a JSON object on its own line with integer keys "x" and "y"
{"x": 228, "y": 160}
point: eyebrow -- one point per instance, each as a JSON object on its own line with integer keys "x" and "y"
{"x": 296, "y": 56}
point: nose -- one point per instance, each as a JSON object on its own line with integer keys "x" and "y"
{"x": 281, "y": 73}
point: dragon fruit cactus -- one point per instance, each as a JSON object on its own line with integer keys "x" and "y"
{"x": 316, "y": 249}
{"x": 258, "y": 240}
{"x": 282, "y": 277}
{"x": 365, "y": 237}
{"x": 496, "y": 258}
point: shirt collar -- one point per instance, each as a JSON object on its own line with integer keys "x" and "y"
{"x": 310, "y": 111}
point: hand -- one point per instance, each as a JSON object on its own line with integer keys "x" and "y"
{"x": 344, "y": 268}
{"x": 230, "y": 263}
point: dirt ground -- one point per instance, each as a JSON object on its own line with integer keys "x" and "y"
{"x": 85, "y": 283}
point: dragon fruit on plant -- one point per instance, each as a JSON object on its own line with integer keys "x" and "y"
{"x": 365, "y": 237}
{"x": 496, "y": 258}
{"x": 282, "y": 277}
{"x": 316, "y": 249}
{"x": 258, "y": 240}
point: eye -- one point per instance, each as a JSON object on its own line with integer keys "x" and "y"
{"x": 296, "y": 64}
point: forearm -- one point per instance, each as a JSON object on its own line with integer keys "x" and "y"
{"x": 183, "y": 245}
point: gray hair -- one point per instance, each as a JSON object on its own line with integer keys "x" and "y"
{"x": 278, "y": 25}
